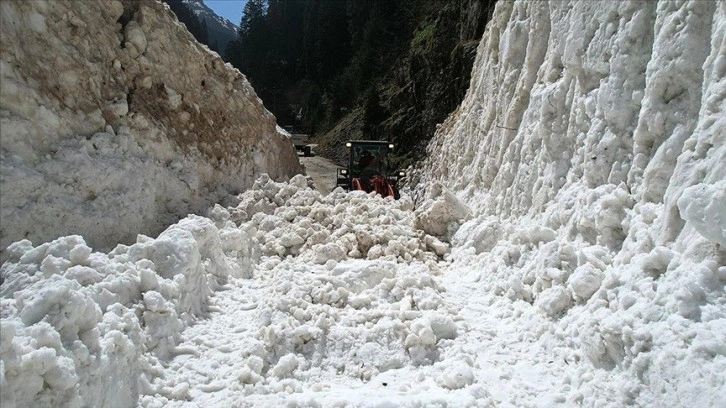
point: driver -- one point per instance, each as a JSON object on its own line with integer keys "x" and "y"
{"x": 368, "y": 165}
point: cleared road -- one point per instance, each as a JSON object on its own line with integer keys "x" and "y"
{"x": 322, "y": 171}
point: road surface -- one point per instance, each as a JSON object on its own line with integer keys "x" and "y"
{"x": 322, "y": 171}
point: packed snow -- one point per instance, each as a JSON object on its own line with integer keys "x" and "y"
{"x": 563, "y": 245}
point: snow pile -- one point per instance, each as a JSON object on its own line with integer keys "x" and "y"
{"x": 703, "y": 207}
{"x": 591, "y": 150}
{"x": 346, "y": 291}
{"x": 349, "y": 289}
{"x": 115, "y": 122}
{"x": 80, "y": 327}
{"x": 289, "y": 220}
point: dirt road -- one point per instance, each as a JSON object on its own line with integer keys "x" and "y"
{"x": 322, "y": 171}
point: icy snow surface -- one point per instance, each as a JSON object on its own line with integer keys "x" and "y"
{"x": 564, "y": 246}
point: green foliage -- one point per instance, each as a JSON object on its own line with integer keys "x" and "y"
{"x": 342, "y": 47}
{"x": 253, "y": 19}
{"x": 423, "y": 37}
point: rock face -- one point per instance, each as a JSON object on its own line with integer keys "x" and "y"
{"x": 438, "y": 70}
{"x": 115, "y": 122}
{"x": 426, "y": 83}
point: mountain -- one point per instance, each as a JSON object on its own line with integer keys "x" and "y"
{"x": 221, "y": 31}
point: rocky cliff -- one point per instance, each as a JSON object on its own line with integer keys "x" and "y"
{"x": 114, "y": 122}
{"x": 425, "y": 83}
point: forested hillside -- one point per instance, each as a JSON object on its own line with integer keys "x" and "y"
{"x": 388, "y": 70}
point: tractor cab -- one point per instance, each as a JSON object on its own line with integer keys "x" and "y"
{"x": 368, "y": 168}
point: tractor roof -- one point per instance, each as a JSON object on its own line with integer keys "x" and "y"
{"x": 369, "y": 142}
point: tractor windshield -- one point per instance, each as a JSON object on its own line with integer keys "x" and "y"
{"x": 367, "y": 160}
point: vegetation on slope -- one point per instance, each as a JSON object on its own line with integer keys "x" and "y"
{"x": 378, "y": 69}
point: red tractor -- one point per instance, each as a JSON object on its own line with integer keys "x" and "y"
{"x": 368, "y": 168}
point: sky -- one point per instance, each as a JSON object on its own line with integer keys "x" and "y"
{"x": 229, "y": 9}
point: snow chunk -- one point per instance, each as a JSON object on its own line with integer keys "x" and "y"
{"x": 285, "y": 366}
{"x": 443, "y": 326}
{"x": 135, "y": 39}
{"x": 704, "y": 207}
{"x": 442, "y": 213}
{"x": 328, "y": 252}
{"x": 585, "y": 281}
{"x": 362, "y": 275}
{"x": 481, "y": 233}
{"x": 554, "y": 301}
{"x": 456, "y": 377}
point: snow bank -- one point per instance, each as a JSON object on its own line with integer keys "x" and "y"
{"x": 591, "y": 149}
{"x": 82, "y": 328}
{"x": 73, "y": 318}
{"x": 106, "y": 134}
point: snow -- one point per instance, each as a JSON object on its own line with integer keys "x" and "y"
{"x": 590, "y": 149}
{"x": 105, "y": 134}
{"x": 577, "y": 260}
{"x": 340, "y": 297}
{"x": 703, "y": 206}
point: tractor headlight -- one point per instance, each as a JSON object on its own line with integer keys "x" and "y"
{"x": 348, "y": 144}
{"x": 343, "y": 172}
{"x": 390, "y": 146}
{"x": 401, "y": 173}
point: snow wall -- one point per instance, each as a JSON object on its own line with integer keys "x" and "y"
{"x": 591, "y": 152}
{"x": 115, "y": 121}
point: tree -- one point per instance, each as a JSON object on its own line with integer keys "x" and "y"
{"x": 314, "y": 61}
{"x": 253, "y": 18}
{"x": 247, "y": 51}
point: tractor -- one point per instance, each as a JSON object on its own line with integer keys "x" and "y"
{"x": 368, "y": 168}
